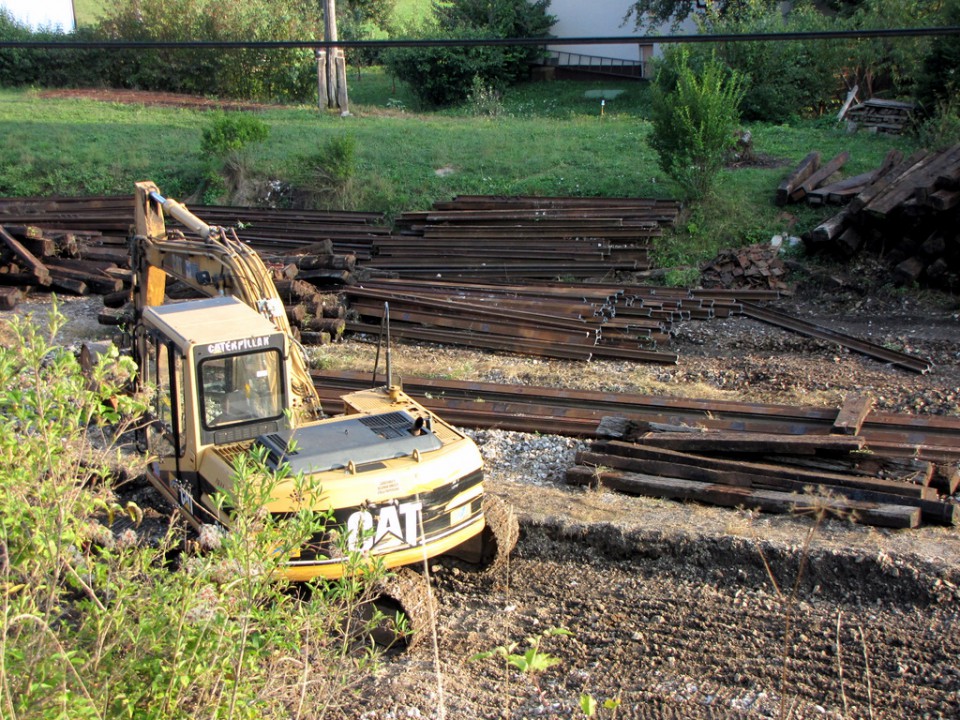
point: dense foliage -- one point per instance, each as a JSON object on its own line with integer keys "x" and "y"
{"x": 807, "y": 77}
{"x": 276, "y": 74}
{"x": 939, "y": 78}
{"x": 445, "y": 75}
{"x": 783, "y": 79}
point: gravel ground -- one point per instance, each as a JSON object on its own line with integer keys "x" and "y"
{"x": 684, "y": 611}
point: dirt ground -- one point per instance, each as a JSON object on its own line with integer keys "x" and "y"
{"x": 684, "y": 611}
{"x": 145, "y": 97}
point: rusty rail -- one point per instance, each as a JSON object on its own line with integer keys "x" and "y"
{"x": 894, "y": 357}
{"x": 578, "y": 412}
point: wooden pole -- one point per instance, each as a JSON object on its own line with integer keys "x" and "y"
{"x": 321, "y": 79}
{"x": 333, "y": 59}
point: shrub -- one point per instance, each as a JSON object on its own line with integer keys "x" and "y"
{"x": 695, "y": 115}
{"x": 228, "y": 132}
{"x": 275, "y": 74}
{"x": 98, "y": 623}
{"x": 326, "y": 177}
{"x": 441, "y": 76}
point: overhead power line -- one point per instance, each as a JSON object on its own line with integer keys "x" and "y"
{"x": 482, "y": 42}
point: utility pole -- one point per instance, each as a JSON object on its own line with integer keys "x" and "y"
{"x": 331, "y": 65}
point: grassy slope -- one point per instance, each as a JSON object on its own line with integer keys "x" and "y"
{"x": 551, "y": 141}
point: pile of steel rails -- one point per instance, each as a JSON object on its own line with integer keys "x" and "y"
{"x": 876, "y": 467}
{"x": 550, "y": 276}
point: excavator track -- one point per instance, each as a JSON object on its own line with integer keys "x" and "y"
{"x": 500, "y": 536}
{"x": 409, "y": 592}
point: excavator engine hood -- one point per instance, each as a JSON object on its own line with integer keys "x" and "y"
{"x": 358, "y": 442}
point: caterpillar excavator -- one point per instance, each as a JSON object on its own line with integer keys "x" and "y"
{"x": 228, "y": 375}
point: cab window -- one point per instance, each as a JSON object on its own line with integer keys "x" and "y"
{"x": 236, "y": 389}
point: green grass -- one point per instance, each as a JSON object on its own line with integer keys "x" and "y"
{"x": 551, "y": 140}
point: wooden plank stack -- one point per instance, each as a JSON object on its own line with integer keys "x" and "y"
{"x": 882, "y": 116}
{"x": 754, "y": 266}
{"x": 909, "y": 211}
{"x": 837, "y": 473}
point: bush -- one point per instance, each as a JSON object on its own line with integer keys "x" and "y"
{"x": 326, "y": 178}
{"x": 97, "y": 623}
{"x": 231, "y": 132}
{"x": 48, "y": 68}
{"x": 441, "y": 76}
{"x": 695, "y": 115}
{"x": 276, "y": 74}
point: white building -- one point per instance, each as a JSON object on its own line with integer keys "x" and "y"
{"x": 602, "y": 18}
{"x": 37, "y": 14}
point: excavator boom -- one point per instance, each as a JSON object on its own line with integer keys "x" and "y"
{"x": 216, "y": 265}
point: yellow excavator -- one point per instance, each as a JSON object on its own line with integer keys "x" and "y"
{"x": 228, "y": 375}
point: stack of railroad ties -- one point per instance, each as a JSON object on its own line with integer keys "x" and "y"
{"x": 907, "y": 210}
{"x": 453, "y": 275}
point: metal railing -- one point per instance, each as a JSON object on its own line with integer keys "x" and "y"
{"x": 595, "y": 64}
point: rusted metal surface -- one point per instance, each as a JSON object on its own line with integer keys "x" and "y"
{"x": 266, "y": 230}
{"x": 578, "y": 412}
{"x": 908, "y": 362}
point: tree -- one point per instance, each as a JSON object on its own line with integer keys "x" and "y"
{"x": 651, "y": 14}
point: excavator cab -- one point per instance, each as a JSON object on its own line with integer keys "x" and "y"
{"x": 217, "y": 371}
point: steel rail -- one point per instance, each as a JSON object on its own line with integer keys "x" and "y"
{"x": 480, "y": 341}
{"x": 908, "y": 362}
{"x": 577, "y": 413}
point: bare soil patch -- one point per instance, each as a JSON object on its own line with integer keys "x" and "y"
{"x": 152, "y": 98}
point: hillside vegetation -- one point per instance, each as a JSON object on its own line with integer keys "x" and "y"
{"x": 546, "y": 139}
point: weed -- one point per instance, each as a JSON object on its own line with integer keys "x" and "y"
{"x": 588, "y": 705}
{"x": 231, "y": 132}
{"x": 819, "y": 510}
{"x": 327, "y": 177}
{"x": 484, "y": 100}
{"x": 531, "y": 663}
